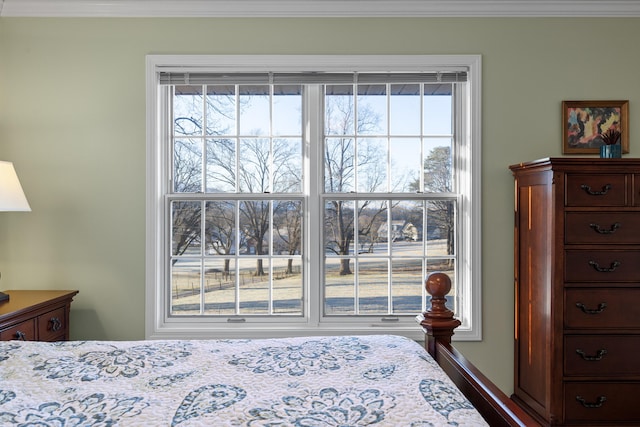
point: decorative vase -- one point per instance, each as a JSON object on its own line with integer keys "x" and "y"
{"x": 613, "y": 151}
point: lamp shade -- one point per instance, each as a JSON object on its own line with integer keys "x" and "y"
{"x": 12, "y": 197}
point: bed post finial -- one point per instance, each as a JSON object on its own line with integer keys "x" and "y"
{"x": 438, "y": 322}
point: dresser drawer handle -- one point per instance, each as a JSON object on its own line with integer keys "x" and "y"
{"x": 20, "y": 336}
{"x": 56, "y": 324}
{"x": 586, "y": 310}
{"x": 599, "y": 355}
{"x": 612, "y": 268}
{"x": 598, "y": 403}
{"x": 612, "y": 230}
{"x": 590, "y": 192}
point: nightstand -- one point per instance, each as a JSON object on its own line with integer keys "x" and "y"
{"x": 36, "y": 315}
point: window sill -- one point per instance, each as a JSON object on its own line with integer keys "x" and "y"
{"x": 244, "y": 331}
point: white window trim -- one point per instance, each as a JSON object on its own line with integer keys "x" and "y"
{"x": 157, "y": 324}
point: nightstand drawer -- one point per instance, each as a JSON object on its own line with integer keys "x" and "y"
{"x": 593, "y": 401}
{"x": 604, "y": 266}
{"x": 52, "y": 325}
{"x": 596, "y": 190}
{"x": 602, "y": 228}
{"x": 601, "y": 355}
{"x": 602, "y": 308}
{"x": 41, "y": 315}
{"x": 22, "y": 331}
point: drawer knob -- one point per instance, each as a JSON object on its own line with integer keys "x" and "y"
{"x": 612, "y": 230}
{"x": 56, "y": 324}
{"x": 20, "y": 336}
{"x": 591, "y": 192}
{"x": 586, "y": 310}
{"x": 598, "y": 403}
{"x": 599, "y": 355}
{"x": 610, "y": 269}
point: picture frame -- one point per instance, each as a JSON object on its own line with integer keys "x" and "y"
{"x": 584, "y": 121}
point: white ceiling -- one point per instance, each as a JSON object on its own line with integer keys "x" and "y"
{"x": 319, "y": 8}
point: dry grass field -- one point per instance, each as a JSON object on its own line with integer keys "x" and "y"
{"x": 365, "y": 291}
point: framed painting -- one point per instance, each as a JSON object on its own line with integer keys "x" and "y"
{"x": 584, "y": 122}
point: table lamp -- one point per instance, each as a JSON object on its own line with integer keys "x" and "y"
{"x": 12, "y": 197}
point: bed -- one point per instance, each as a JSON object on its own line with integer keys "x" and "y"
{"x": 377, "y": 380}
{"x": 438, "y": 323}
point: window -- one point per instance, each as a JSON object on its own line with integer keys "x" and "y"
{"x": 310, "y": 194}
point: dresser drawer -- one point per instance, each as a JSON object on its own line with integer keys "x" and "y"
{"x": 601, "y": 355}
{"x": 602, "y": 227}
{"x": 607, "y": 401}
{"x": 604, "y": 266}
{"x": 22, "y": 331}
{"x": 602, "y": 308}
{"x": 52, "y": 325}
{"x": 596, "y": 190}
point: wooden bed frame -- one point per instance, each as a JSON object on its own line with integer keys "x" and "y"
{"x": 438, "y": 324}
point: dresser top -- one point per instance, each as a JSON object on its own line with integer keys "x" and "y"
{"x": 579, "y": 162}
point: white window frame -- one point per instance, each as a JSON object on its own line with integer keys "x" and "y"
{"x": 158, "y": 325}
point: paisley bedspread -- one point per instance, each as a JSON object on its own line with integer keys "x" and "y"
{"x": 377, "y": 380}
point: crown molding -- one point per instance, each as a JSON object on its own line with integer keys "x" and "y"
{"x": 319, "y": 8}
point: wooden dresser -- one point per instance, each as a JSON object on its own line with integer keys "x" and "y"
{"x": 36, "y": 315}
{"x": 577, "y": 283}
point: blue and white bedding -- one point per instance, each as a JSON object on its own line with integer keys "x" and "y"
{"x": 377, "y": 380}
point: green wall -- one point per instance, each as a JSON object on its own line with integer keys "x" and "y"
{"x": 72, "y": 119}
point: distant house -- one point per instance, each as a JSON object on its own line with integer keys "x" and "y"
{"x": 400, "y": 230}
{"x": 410, "y": 232}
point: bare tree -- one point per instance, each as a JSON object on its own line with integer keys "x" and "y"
{"x": 186, "y": 215}
{"x": 265, "y": 166}
{"x": 254, "y": 224}
{"x": 186, "y": 227}
{"x": 370, "y": 219}
{"x": 343, "y": 158}
{"x": 252, "y": 165}
{"x": 220, "y": 229}
{"x": 437, "y": 179}
{"x": 187, "y": 160}
{"x": 288, "y": 227}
